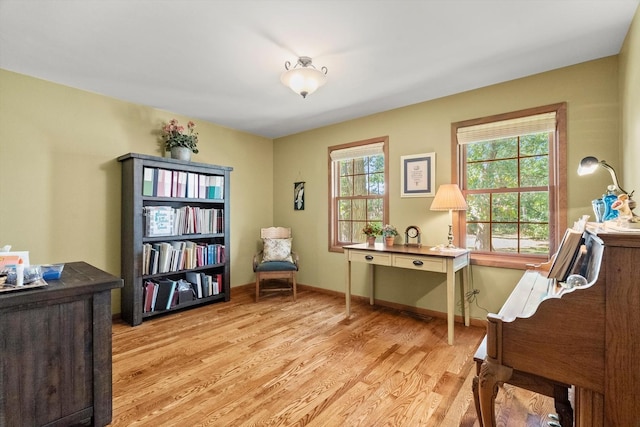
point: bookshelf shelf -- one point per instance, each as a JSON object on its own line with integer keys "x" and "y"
{"x": 183, "y": 200}
{"x": 143, "y": 175}
{"x": 179, "y": 272}
{"x": 182, "y": 306}
{"x": 182, "y": 237}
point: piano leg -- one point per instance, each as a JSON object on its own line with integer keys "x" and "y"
{"x": 491, "y": 376}
{"x": 476, "y": 399}
{"x": 563, "y": 405}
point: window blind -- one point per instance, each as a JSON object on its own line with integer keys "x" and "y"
{"x": 374, "y": 149}
{"x": 528, "y": 125}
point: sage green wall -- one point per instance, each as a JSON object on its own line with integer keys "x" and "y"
{"x": 60, "y": 182}
{"x": 630, "y": 107}
{"x": 591, "y": 92}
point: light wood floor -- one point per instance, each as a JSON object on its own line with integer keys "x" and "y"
{"x": 281, "y": 363}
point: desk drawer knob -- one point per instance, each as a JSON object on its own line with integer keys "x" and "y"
{"x": 417, "y": 262}
{"x": 368, "y": 257}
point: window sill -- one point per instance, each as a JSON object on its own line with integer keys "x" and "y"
{"x": 517, "y": 262}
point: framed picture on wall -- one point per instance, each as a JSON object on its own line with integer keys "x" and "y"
{"x": 418, "y": 175}
{"x": 298, "y": 196}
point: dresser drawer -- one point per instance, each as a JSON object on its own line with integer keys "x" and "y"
{"x": 436, "y": 264}
{"x": 370, "y": 257}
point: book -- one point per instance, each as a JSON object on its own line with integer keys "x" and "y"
{"x": 182, "y": 184}
{"x": 149, "y": 293}
{"x": 158, "y": 220}
{"x": 205, "y": 279}
{"x": 195, "y": 279}
{"x": 173, "y": 295}
{"x": 192, "y": 185}
{"x": 566, "y": 255}
{"x": 163, "y": 300}
{"x": 174, "y": 184}
{"x": 202, "y": 186}
{"x": 163, "y": 185}
{"x": 149, "y": 181}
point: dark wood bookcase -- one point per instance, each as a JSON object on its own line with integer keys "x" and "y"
{"x": 133, "y": 232}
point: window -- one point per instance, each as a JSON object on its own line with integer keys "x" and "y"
{"x": 358, "y": 190}
{"x": 512, "y": 171}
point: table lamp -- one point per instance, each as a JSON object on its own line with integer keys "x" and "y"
{"x": 449, "y": 198}
{"x": 589, "y": 164}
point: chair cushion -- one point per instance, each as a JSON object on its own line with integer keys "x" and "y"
{"x": 276, "y": 250}
{"x": 276, "y": 266}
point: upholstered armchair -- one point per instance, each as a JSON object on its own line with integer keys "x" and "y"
{"x": 276, "y": 264}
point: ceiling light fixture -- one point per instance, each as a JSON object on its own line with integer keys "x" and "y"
{"x": 303, "y": 78}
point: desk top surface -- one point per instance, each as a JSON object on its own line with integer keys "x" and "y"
{"x": 409, "y": 250}
{"x": 77, "y": 278}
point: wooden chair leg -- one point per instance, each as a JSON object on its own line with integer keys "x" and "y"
{"x": 294, "y": 286}
{"x": 257, "y": 287}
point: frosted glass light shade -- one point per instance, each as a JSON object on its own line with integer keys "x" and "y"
{"x": 303, "y": 81}
{"x": 303, "y": 78}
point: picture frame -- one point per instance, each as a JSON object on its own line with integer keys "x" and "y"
{"x": 418, "y": 175}
{"x": 298, "y": 196}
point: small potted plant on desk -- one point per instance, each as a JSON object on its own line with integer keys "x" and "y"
{"x": 180, "y": 143}
{"x": 372, "y": 230}
{"x": 389, "y": 232}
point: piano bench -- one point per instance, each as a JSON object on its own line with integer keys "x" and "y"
{"x": 531, "y": 382}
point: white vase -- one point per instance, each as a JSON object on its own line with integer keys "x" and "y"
{"x": 181, "y": 153}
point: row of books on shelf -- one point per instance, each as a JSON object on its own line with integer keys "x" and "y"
{"x": 169, "y": 221}
{"x": 164, "y": 294}
{"x": 169, "y": 183}
{"x": 165, "y": 257}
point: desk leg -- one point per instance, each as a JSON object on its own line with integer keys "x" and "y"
{"x": 347, "y": 291}
{"x": 371, "y": 282}
{"x": 465, "y": 289}
{"x": 451, "y": 279}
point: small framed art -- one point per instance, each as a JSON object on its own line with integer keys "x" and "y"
{"x": 418, "y": 175}
{"x": 298, "y": 196}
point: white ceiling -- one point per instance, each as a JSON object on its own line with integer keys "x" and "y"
{"x": 221, "y": 61}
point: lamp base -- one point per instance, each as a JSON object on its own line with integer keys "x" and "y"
{"x": 450, "y": 239}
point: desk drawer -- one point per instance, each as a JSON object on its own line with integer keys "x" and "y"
{"x": 370, "y": 257}
{"x": 436, "y": 264}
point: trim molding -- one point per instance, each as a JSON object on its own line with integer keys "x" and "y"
{"x": 421, "y": 312}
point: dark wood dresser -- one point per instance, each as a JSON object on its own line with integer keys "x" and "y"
{"x": 55, "y": 350}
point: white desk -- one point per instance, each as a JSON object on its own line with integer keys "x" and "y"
{"x": 422, "y": 258}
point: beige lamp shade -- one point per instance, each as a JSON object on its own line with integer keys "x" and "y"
{"x": 449, "y": 197}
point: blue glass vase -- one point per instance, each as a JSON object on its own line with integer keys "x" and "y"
{"x": 609, "y": 213}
